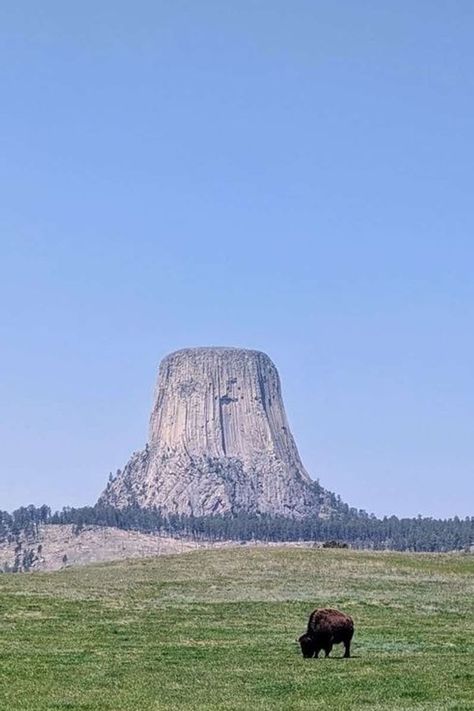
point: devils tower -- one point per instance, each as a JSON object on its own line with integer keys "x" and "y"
{"x": 219, "y": 442}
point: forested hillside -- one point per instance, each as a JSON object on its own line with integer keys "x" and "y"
{"x": 354, "y": 528}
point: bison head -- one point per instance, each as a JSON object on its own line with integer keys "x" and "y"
{"x": 307, "y": 645}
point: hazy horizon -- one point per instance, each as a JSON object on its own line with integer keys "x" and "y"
{"x": 294, "y": 179}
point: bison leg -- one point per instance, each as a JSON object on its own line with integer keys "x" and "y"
{"x": 347, "y": 652}
{"x": 316, "y": 651}
{"x": 327, "y": 649}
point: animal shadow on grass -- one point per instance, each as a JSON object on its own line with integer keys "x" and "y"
{"x": 338, "y": 658}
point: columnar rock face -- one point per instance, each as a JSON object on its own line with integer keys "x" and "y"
{"x": 219, "y": 441}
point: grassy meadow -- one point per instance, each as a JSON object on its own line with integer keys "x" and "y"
{"x": 216, "y": 630}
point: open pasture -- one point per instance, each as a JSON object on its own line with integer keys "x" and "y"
{"x": 216, "y": 630}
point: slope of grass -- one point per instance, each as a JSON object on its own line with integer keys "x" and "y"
{"x": 216, "y": 630}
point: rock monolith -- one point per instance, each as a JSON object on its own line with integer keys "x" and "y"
{"x": 219, "y": 441}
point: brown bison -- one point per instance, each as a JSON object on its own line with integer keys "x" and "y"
{"x": 325, "y": 628}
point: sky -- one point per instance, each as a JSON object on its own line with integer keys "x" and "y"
{"x": 294, "y": 177}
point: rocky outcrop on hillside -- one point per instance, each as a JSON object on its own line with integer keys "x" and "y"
{"x": 52, "y": 547}
{"x": 219, "y": 441}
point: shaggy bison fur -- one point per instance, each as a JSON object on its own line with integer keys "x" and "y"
{"x": 325, "y": 628}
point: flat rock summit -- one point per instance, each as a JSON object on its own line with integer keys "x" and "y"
{"x": 219, "y": 441}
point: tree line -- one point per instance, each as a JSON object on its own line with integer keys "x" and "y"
{"x": 347, "y": 526}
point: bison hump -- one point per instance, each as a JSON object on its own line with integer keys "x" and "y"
{"x": 329, "y": 617}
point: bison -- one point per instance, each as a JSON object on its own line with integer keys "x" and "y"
{"x": 325, "y": 628}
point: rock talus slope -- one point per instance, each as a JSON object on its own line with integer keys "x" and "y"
{"x": 219, "y": 441}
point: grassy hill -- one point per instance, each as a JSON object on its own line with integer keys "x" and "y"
{"x": 217, "y": 629}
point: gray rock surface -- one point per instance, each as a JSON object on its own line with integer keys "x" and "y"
{"x": 219, "y": 441}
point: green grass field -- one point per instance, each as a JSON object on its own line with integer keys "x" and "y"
{"x": 217, "y": 629}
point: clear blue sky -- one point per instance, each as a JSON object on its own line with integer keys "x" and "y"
{"x": 295, "y": 177}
